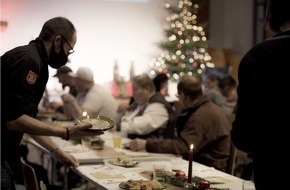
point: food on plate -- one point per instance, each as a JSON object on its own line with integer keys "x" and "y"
{"x": 97, "y": 123}
{"x": 125, "y": 162}
{"x": 100, "y": 123}
{"x": 142, "y": 185}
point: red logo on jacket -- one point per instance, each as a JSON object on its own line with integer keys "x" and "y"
{"x": 31, "y": 77}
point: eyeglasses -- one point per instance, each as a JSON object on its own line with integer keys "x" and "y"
{"x": 71, "y": 51}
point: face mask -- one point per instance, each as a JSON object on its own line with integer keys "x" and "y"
{"x": 57, "y": 60}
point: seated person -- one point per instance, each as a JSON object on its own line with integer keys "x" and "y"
{"x": 91, "y": 97}
{"x": 228, "y": 88}
{"x": 161, "y": 82}
{"x": 150, "y": 115}
{"x": 212, "y": 92}
{"x": 201, "y": 123}
{"x": 64, "y": 77}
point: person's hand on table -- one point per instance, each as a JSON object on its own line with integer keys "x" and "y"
{"x": 137, "y": 144}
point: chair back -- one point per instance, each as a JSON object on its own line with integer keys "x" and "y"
{"x": 30, "y": 179}
{"x": 234, "y": 152}
{"x": 232, "y": 160}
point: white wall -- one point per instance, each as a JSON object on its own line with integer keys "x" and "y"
{"x": 106, "y": 31}
{"x": 231, "y": 24}
{"x": 119, "y": 29}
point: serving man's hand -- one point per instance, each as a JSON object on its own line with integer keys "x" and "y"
{"x": 66, "y": 158}
{"x": 82, "y": 130}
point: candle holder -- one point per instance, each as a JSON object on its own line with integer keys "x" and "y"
{"x": 190, "y": 186}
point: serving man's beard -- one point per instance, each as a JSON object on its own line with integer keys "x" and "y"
{"x": 57, "y": 60}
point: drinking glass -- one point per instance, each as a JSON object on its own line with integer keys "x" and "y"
{"x": 86, "y": 143}
{"x": 158, "y": 172}
{"x": 117, "y": 138}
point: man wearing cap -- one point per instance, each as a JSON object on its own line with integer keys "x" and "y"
{"x": 65, "y": 79}
{"x": 92, "y": 98}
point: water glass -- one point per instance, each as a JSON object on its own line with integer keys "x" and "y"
{"x": 86, "y": 143}
{"x": 159, "y": 172}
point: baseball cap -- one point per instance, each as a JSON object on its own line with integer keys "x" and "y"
{"x": 83, "y": 73}
{"x": 62, "y": 70}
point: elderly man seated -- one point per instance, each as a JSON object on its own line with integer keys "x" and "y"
{"x": 92, "y": 98}
{"x": 201, "y": 123}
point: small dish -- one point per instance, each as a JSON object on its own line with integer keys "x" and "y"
{"x": 124, "y": 162}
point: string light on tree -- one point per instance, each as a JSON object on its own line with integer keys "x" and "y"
{"x": 185, "y": 48}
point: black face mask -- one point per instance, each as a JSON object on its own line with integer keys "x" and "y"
{"x": 57, "y": 60}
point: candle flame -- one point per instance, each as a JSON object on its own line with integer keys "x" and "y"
{"x": 85, "y": 113}
{"x": 191, "y": 146}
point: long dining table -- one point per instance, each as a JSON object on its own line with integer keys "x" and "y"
{"x": 95, "y": 165}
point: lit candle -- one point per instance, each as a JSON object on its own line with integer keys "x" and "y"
{"x": 190, "y": 155}
{"x": 86, "y": 114}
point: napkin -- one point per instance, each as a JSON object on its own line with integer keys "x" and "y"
{"x": 100, "y": 175}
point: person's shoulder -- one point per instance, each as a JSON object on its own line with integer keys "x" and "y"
{"x": 209, "y": 106}
{"x": 102, "y": 90}
{"x": 265, "y": 46}
{"x": 97, "y": 87}
{"x": 17, "y": 50}
{"x": 25, "y": 53}
{"x": 211, "y": 91}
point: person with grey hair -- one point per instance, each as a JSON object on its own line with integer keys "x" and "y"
{"x": 260, "y": 126}
{"x": 150, "y": 115}
{"x": 24, "y": 75}
{"x": 91, "y": 97}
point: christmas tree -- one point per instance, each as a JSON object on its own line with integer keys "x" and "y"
{"x": 185, "y": 49}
